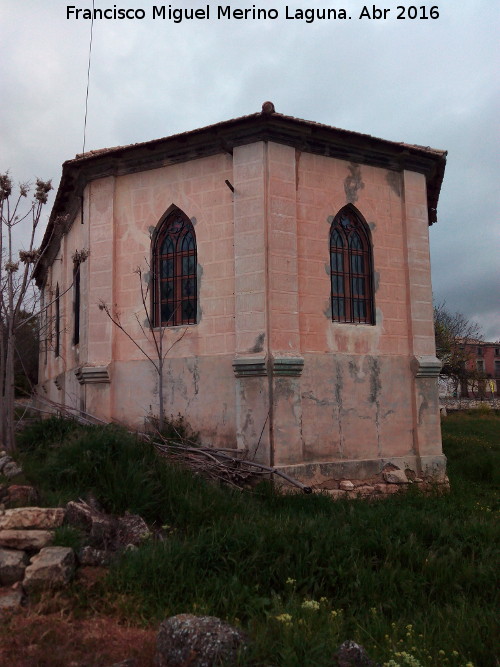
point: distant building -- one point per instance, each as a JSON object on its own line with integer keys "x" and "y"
{"x": 484, "y": 363}
{"x": 288, "y": 263}
{"x": 481, "y": 372}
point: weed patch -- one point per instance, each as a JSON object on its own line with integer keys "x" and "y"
{"x": 412, "y": 577}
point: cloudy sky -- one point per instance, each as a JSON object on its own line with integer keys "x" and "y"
{"x": 432, "y": 82}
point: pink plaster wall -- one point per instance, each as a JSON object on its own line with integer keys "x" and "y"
{"x": 264, "y": 293}
{"x": 359, "y": 398}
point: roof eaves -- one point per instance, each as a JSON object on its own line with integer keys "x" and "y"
{"x": 265, "y": 125}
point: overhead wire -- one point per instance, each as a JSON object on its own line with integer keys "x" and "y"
{"x": 88, "y": 76}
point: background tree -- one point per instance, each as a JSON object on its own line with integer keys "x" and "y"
{"x": 456, "y": 339}
{"x": 26, "y": 353}
{"x": 16, "y": 277}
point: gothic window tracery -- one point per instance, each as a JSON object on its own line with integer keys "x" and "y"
{"x": 174, "y": 264}
{"x": 351, "y": 268}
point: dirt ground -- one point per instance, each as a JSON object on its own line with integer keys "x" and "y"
{"x": 56, "y": 631}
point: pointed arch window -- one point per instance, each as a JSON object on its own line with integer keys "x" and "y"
{"x": 174, "y": 264}
{"x": 351, "y": 268}
{"x": 76, "y": 302}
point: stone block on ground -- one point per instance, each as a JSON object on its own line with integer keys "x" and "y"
{"x": 365, "y": 490}
{"x": 3, "y": 461}
{"x": 386, "y": 489}
{"x": 350, "y": 654}
{"x": 336, "y": 494}
{"x": 79, "y": 514}
{"x": 346, "y": 485}
{"x": 29, "y": 540}
{"x": 18, "y": 495}
{"x": 94, "y": 557}
{"x": 53, "y": 567}
{"x": 100, "y": 527}
{"x": 132, "y": 529}
{"x": 198, "y": 641}
{"x": 32, "y": 518}
{"x": 11, "y": 470}
{"x": 395, "y": 477}
{"x": 12, "y": 566}
{"x": 10, "y": 599}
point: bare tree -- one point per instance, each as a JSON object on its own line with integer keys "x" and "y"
{"x": 153, "y": 334}
{"x": 456, "y": 337}
{"x": 16, "y": 276}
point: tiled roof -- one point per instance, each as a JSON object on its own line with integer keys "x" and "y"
{"x": 242, "y": 119}
{"x": 267, "y": 125}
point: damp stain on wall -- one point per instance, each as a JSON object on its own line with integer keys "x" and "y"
{"x": 339, "y": 386}
{"x": 193, "y": 368}
{"x": 375, "y": 389}
{"x": 357, "y": 374}
{"x": 258, "y": 346}
{"x": 393, "y": 179}
{"x": 353, "y": 183}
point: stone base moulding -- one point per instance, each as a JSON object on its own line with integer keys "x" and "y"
{"x": 432, "y": 468}
{"x": 254, "y": 366}
{"x": 251, "y": 366}
{"x": 92, "y": 374}
{"x": 426, "y": 366}
{"x": 288, "y": 366}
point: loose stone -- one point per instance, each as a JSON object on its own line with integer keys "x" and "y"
{"x": 395, "y": 477}
{"x": 10, "y": 599}
{"x": 11, "y": 469}
{"x": 53, "y": 567}
{"x": 4, "y": 460}
{"x": 31, "y": 540}
{"x": 198, "y": 641}
{"x": 336, "y": 494}
{"x": 36, "y": 518}
{"x": 12, "y": 566}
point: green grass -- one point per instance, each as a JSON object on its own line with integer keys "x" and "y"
{"x": 409, "y": 575}
{"x": 67, "y": 536}
{"x": 474, "y": 451}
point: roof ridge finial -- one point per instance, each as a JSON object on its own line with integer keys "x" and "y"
{"x": 268, "y": 108}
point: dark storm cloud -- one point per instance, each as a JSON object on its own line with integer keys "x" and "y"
{"x": 427, "y": 82}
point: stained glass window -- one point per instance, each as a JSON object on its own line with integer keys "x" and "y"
{"x": 174, "y": 275}
{"x": 351, "y": 268}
